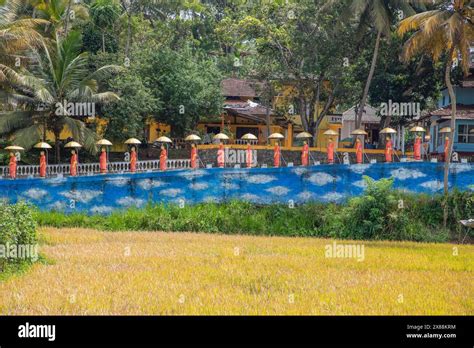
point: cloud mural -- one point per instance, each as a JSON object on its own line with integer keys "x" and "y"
{"x": 322, "y": 179}
{"x": 405, "y": 173}
{"x": 101, "y": 194}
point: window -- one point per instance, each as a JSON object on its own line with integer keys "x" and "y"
{"x": 466, "y": 133}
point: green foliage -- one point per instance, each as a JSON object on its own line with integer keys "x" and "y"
{"x": 17, "y": 227}
{"x": 187, "y": 85}
{"x": 127, "y": 116}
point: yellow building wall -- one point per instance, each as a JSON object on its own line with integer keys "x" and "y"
{"x": 156, "y": 130}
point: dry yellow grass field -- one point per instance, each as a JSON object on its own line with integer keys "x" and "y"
{"x": 94, "y": 272}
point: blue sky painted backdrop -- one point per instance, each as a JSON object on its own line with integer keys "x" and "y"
{"x": 105, "y": 193}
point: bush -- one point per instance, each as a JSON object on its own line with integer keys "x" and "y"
{"x": 17, "y": 228}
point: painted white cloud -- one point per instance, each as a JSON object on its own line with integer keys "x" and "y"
{"x": 57, "y": 206}
{"x": 359, "y": 168}
{"x": 35, "y": 193}
{"x": 198, "y": 186}
{"x": 59, "y": 180}
{"x": 360, "y": 183}
{"x": 211, "y": 199}
{"x": 119, "y": 182}
{"x": 260, "y": 179}
{"x": 305, "y": 195}
{"x": 250, "y": 197}
{"x": 460, "y": 167}
{"x": 299, "y": 170}
{"x": 404, "y": 174}
{"x": 82, "y": 196}
{"x": 148, "y": 184}
{"x": 433, "y": 185}
{"x": 332, "y": 197}
{"x": 229, "y": 186}
{"x": 278, "y": 190}
{"x": 101, "y": 209}
{"x": 130, "y": 201}
{"x": 322, "y": 178}
{"x": 171, "y": 192}
{"x": 191, "y": 174}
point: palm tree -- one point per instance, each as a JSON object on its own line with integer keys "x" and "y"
{"x": 59, "y": 74}
{"x": 448, "y": 29}
{"x": 16, "y": 34}
{"x": 59, "y": 13}
{"x": 380, "y": 14}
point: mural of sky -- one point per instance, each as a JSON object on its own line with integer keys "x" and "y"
{"x": 101, "y": 194}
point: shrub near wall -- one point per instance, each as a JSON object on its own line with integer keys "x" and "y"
{"x": 17, "y": 232}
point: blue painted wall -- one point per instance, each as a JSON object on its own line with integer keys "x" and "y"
{"x": 463, "y": 96}
{"x": 104, "y": 193}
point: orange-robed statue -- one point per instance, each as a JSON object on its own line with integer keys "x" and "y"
{"x": 358, "y": 151}
{"x": 103, "y": 161}
{"x": 73, "y": 167}
{"x": 388, "y": 150}
{"x": 417, "y": 148}
{"x": 12, "y": 165}
{"x": 249, "y": 156}
{"x": 133, "y": 160}
{"x": 305, "y": 154}
{"x": 193, "y": 156}
{"x": 42, "y": 164}
{"x": 330, "y": 151}
{"x": 276, "y": 155}
{"x": 446, "y": 148}
{"x": 163, "y": 158}
{"x": 220, "y": 156}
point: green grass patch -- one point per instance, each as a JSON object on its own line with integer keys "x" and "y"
{"x": 381, "y": 213}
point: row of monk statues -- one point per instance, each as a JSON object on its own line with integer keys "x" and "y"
{"x": 194, "y": 159}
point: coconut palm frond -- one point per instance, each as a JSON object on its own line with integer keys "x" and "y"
{"x": 415, "y": 22}
{"x": 104, "y": 72}
{"x": 14, "y": 120}
{"x": 105, "y": 97}
{"x": 27, "y": 137}
{"x": 82, "y": 134}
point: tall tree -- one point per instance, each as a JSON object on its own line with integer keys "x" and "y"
{"x": 378, "y": 15}
{"x": 104, "y": 14}
{"x": 59, "y": 75}
{"x": 448, "y": 29}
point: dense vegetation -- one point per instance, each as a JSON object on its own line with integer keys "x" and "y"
{"x": 17, "y": 228}
{"x": 381, "y": 214}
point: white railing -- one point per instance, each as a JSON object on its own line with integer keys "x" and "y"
{"x": 94, "y": 168}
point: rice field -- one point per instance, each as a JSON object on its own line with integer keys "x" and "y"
{"x": 95, "y": 272}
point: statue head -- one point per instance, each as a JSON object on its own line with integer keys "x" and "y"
{"x": 132, "y": 149}
{"x": 103, "y": 149}
{"x": 73, "y": 152}
{"x": 41, "y": 153}
{"x": 447, "y": 138}
{"x": 305, "y": 142}
{"x": 162, "y": 147}
{"x": 357, "y": 140}
{"x": 193, "y": 145}
{"x": 12, "y": 154}
{"x": 387, "y": 138}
